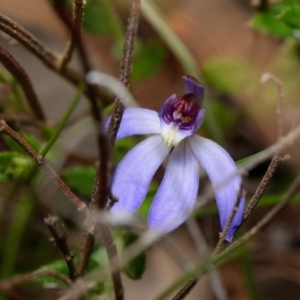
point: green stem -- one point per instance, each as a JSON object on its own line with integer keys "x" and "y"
{"x": 29, "y": 172}
{"x": 12, "y": 242}
{"x": 248, "y": 274}
{"x": 64, "y": 120}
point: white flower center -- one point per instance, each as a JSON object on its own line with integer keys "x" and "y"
{"x": 171, "y": 134}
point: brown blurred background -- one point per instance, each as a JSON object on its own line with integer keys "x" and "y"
{"x": 210, "y": 29}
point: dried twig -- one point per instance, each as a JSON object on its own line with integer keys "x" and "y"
{"x": 50, "y": 58}
{"x": 222, "y": 241}
{"x": 260, "y": 5}
{"x": 39, "y": 160}
{"x": 279, "y": 154}
{"x": 59, "y": 235}
{"x": 7, "y": 284}
{"x": 10, "y": 63}
{"x": 125, "y": 69}
{"x": 78, "y": 7}
{"x": 100, "y": 193}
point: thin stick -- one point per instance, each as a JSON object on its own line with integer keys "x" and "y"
{"x": 222, "y": 241}
{"x": 125, "y": 69}
{"x": 292, "y": 190}
{"x": 279, "y": 154}
{"x": 59, "y": 235}
{"x": 50, "y": 58}
{"x": 280, "y": 108}
{"x": 9, "y": 283}
{"x": 4, "y": 128}
{"x": 100, "y": 197}
{"x": 78, "y": 7}
{"x": 114, "y": 125}
{"x": 10, "y": 63}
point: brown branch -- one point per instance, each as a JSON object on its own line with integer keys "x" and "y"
{"x": 78, "y": 7}
{"x": 261, "y": 6}
{"x": 222, "y": 241}
{"x": 7, "y": 284}
{"x": 39, "y": 160}
{"x": 20, "y": 118}
{"x": 86, "y": 248}
{"x": 16, "y": 70}
{"x": 124, "y": 77}
{"x": 59, "y": 235}
{"x": 16, "y": 295}
{"x": 292, "y": 190}
{"x": 99, "y": 198}
{"x": 278, "y": 156}
{"x": 50, "y": 58}
{"x": 125, "y": 69}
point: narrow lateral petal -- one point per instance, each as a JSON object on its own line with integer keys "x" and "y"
{"x": 219, "y": 165}
{"x": 137, "y": 121}
{"x": 134, "y": 173}
{"x": 177, "y": 193}
{"x": 192, "y": 85}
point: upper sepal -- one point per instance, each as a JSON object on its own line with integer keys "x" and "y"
{"x": 193, "y": 86}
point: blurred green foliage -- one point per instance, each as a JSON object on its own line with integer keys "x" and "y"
{"x": 136, "y": 267}
{"x": 225, "y": 75}
{"x": 281, "y": 19}
{"x": 12, "y": 164}
{"x": 80, "y": 179}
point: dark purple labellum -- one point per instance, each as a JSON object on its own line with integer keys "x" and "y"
{"x": 182, "y": 111}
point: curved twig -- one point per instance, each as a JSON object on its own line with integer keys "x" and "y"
{"x": 10, "y": 63}
{"x": 78, "y": 7}
{"x": 39, "y": 160}
{"x": 50, "y": 58}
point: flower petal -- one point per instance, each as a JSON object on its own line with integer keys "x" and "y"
{"x": 137, "y": 121}
{"x": 219, "y": 165}
{"x": 177, "y": 193}
{"x": 134, "y": 173}
{"x": 192, "y": 85}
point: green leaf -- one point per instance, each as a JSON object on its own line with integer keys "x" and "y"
{"x": 99, "y": 19}
{"x": 148, "y": 61}
{"x": 145, "y": 206}
{"x": 224, "y": 115}
{"x": 81, "y": 179}
{"x": 47, "y": 131}
{"x": 217, "y": 70}
{"x": 12, "y": 164}
{"x": 270, "y": 24}
{"x": 59, "y": 266}
{"x": 30, "y": 139}
{"x": 136, "y": 267}
{"x": 291, "y": 17}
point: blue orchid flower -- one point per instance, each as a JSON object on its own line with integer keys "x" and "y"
{"x": 173, "y": 130}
